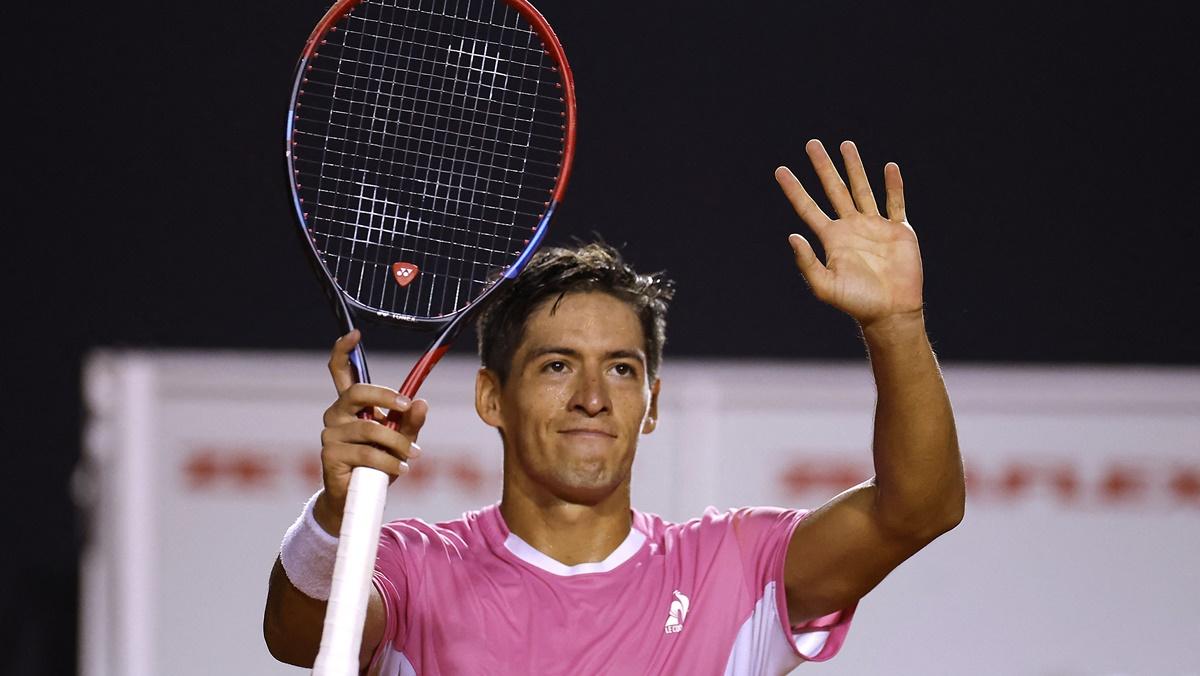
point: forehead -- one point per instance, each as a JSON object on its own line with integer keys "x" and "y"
{"x": 590, "y": 319}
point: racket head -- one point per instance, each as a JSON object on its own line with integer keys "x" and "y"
{"x": 428, "y": 144}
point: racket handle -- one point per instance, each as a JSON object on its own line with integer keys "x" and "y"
{"x": 358, "y": 541}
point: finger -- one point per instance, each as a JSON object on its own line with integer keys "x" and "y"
{"x": 835, "y": 190}
{"x": 801, "y": 201}
{"x": 815, "y": 273}
{"x": 363, "y": 396}
{"x": 894, "y": 184}
{"x": 370, "y": 433}
{"x": 860, "y": 187}
{"x": 362, "y": 455}
{"x": 339, "y": 360}
{"x": 410, "y": 421}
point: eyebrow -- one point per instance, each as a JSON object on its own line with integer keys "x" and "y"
{"x": 636, "y": 355}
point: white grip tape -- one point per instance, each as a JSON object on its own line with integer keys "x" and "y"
{"x": 358, "y": 541}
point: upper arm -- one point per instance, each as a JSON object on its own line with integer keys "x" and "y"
{"x": 839, "y": 553}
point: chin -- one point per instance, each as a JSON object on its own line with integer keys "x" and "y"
{"x": 587, "y": 485}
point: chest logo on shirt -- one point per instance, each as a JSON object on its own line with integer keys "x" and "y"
{"x": 677, "y": 614}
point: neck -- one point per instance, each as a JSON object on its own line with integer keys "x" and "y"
{"x": 568, "y": 532}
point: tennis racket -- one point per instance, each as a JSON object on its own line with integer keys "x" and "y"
{"x": 428, "y": 145}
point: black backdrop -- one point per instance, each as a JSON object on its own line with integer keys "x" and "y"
{"x": 1047, "y": 150}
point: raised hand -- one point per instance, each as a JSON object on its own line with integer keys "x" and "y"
{"x": 348, "y": 441}
{"x": 872, "y": 268}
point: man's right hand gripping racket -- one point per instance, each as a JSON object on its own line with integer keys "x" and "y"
{"x": 428, "y": 144}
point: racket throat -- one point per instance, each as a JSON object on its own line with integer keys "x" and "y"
{"x": 433, "y": 354}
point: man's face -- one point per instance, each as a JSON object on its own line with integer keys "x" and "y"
{"x": 576, "y": 399}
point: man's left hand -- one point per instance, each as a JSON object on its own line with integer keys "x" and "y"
{"x": 872, "y": 268}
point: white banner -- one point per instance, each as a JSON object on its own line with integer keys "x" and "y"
{"x": 1079, "y": 553}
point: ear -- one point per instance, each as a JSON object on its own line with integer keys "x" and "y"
{"x": 487, "y": 396}
{"x": 652, "y": 414}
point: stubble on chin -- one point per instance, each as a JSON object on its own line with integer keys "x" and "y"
{"x": 590, "y": 475}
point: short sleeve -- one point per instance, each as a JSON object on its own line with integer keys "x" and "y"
{"x": 391, "y": 580}
{"x": 763, "y": 535}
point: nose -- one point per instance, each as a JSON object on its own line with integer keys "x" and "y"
{"x": 591, "y": 394}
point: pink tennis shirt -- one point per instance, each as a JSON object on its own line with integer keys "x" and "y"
{"x": 701, "y": 597}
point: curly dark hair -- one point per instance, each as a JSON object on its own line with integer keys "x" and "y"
{"x": 557, "y": 271}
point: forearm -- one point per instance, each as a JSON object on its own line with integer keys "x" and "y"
{"x": 292, "y": 621}
{"x": 294, "y": 617}
{"x": 920, "y": 489}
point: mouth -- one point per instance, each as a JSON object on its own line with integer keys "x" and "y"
{"x": 582, "y": 433}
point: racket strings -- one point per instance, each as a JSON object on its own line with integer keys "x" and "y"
{"x": 443, "y": 119}
{"x": 425, "y": 155}
{"x": 430, "y": 138}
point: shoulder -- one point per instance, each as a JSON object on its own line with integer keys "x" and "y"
{"x": 755, "y": 522}
{"x": 416, "y": 537}
{"x": 713, "y": 519}
{"x": 714, "y": 526}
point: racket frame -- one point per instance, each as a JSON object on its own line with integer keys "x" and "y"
{"x": 344, "y": 306}
{"x": 366, "y": 496}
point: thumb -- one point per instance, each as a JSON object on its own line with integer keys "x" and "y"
{"x": 810, "y": 266}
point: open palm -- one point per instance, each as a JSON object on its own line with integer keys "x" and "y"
{"x": 872, "y": 268}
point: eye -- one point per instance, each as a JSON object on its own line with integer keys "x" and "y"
{"x": 624, "y": 370}
{"x": 556, "y": 366}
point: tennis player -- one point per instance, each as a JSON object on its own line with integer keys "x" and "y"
{"x": 562, "y": 576}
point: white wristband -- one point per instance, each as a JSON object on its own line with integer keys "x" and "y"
{"x": 308, "y": 553}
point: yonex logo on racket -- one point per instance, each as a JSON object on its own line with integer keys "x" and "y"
{"x": 404, "y": 273}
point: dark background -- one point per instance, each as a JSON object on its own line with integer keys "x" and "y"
{"x": 1047, "y": 148}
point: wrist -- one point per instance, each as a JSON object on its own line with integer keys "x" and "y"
{"x": 895, "y": 329}
{"x": 308, "y": 553}
{"x": 326, "y": 515}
